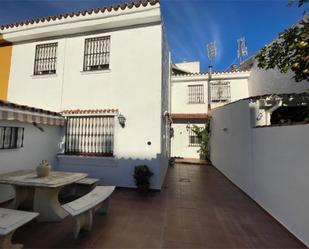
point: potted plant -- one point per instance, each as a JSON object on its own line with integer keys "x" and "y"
{"x": 142, "y": 175}
{"x": 203, "y": 135}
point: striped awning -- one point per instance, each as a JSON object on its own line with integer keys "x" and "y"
{"x": 14, "y": 112}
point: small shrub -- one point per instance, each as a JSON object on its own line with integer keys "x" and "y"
{"x": 142, "y": 175}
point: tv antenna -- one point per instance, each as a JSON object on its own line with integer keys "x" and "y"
{"x": 212, "y": 53}
{"x": 242, "y": 50}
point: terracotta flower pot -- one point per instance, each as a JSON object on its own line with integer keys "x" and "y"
{"x": 43, "y": 169}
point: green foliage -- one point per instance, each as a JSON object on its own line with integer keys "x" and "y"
{"x": 142, "y": 175}
{"x": 289, "y": 51}
{"x": 300, "y": 2}
{"x": 203, "y": 135}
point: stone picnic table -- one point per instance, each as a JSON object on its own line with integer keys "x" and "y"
{"x": 40, "y": 193}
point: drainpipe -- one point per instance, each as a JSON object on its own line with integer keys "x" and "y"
{"x": 209, "y": 88}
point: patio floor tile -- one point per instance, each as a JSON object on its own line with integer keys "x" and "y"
{"x": 197, "y": 208}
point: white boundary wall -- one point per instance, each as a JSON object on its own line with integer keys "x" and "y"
{"x": 38, "y": 146}
{"x": 270, "y": 164}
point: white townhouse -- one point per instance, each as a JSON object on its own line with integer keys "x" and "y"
{"x": 107, "y": 71}
{"x": 194, "y": 93}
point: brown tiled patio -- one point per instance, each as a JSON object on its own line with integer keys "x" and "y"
{"x": 198, "y": 208}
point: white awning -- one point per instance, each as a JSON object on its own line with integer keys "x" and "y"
{"x": 21, "y": 113}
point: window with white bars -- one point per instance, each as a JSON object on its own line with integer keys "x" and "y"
{"x": 193, "y": 139}
{"x": 220, "y": 92}
{"x": 11, "y": 137}
{"x": 45, "y": 59}
{"x": 196, "y": 94}
{"x": 96, "y": 54}
{"x": 90, "y": 135}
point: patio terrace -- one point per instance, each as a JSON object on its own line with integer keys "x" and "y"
{"x": 198, "y": 208}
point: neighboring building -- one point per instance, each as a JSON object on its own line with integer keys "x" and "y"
{"x": 191, "y": 101}
{"x": 107, "y": 70}
{"x": 271, "y": 81}
{"x": 27, "y": 136}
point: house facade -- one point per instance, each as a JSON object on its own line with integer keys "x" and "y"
{"x": 193, "y": 95}
{"x": 107, "y": 71}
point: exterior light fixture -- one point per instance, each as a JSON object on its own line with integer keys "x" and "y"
{"x": 122, "y": 120}
{"x": 188, "y": 127}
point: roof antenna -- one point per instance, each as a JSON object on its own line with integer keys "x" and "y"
{"x": 242, "y": 50}
{"x": 212, "y": 53}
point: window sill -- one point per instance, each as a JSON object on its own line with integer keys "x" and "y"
{"x": 96, "y": 71}
{"x": 39, "y": 76}
{"x": 87, "y": 160}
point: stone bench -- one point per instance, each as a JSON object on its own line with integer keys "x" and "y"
{"x": 82, "y": 208}
{"x": 10, "y": 220}
{"x": 84, "y": 186}
{"x": 77, "y": 189}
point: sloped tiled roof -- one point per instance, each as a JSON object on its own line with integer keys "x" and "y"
{"x": 89, "y": 111}
{"x": 189, "y": 115}
{"x": 115, "y": 7}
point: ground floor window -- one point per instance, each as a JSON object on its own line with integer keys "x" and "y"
{"x": 193, "y": 139}
{"x": 90, "y": 135}
{"x": 11, "y": 137}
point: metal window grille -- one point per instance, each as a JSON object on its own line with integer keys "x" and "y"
{"x": 11, "y": 137}
{"x": 193, "y": 139}
{"x": 220, "y": 92}
{"x": 45, "y": 59}
{"x": 196, "y": 94}
{"x": 90, "y": 135}
{"x": 96, "y": 54}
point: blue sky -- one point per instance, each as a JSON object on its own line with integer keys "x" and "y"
{"x": 189, "y": 24}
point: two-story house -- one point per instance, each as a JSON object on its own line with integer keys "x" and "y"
{"x": 107, "y": 71}
{"x": 194, "y": 93}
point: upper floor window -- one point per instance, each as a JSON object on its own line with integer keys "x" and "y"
{"x": 11, "y": 137}
{"x": 96, "y": 54}
{"x": 220, "y": 92}
{"x": 90, "y": 135}
{"x": 45, "y": 59}
{"x": 196, "y": 94}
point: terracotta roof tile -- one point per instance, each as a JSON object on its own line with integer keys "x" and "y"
{"x": 114, "y": 7}
{"x": 89, "y": 111}
{"x": 189, "y": 115}
{"x": 206, "y": 73}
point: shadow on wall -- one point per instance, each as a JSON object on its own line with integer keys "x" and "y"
{"x": 113, "y": 170}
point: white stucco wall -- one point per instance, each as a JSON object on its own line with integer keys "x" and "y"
{"x": 231, "y": 143}
{"x": 189, "y": 66}
{"x": 133, "y": 84}
{"x": 38, "y": 146}
{"x": 165, "y": 107}
{"x": 281, "y": 175}
{"x": 269, "y": 164}
{"x": 180, "y": 142}
{"x": 180, "y": 92}
{"x": 272, "y": 81}
{"x": 238, "y": 89}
